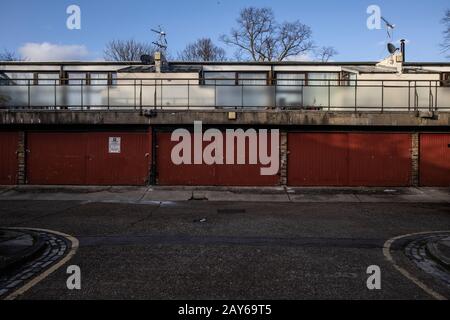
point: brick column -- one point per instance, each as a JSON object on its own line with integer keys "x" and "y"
{"x": 283, "y": 157}
{"x": 21, "y": 159}
{"x": 415, "y": 159}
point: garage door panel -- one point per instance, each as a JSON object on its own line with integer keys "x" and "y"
{"x": 317, "y": 159}
{"x": 9, "y": 143}
{"x": 207, "y": 175}
{"x": 185, "y": 174}
{"x": 349, "y": 159}
{"x": 129, "y": 167}
{"x": 56, "y": 158}
{"x": 379, "y": 159}
{"x": 83, "y": 158}
{"x": 435, "y": 160}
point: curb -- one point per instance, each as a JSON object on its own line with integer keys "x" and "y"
{"x": 437, "y": 255}
{"x": 25, "y": 255}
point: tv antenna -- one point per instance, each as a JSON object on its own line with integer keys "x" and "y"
{"x": 162, "y": 40}
{"x": 389, "y": 27}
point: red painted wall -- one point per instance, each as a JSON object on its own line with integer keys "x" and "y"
{"x": 83, "y": 158}
{"x": 349, "y": 159}
{"x": 9, "y": 143}
{"x": 435, "y": 159}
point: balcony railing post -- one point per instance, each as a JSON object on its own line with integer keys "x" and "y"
{"x": 107, "y": 93}
{"x": 382, "y": 96}
{"x": 155, "y": 96}
{"x": 29, "y": 94}
{"x": 188, "y": 95}
{"x": 54, "y": 90}
{"x": 275, "y": 93}
{"x": 161, "y": 95}
{"x": 140, "y": 97}
{"x": 303, "y": 94}
{"x": 215, "y": 94}
{"x": 82, "y": 102}
{"x": 409, "y": 95}
{"x": 135, "y": 95}
{"x": 416, "y": 97}
{"x": 436, "y": 95}
{"x": 242, "y": 95}
{"x": 329, "y": 95}
{"x": 356, "y": 95}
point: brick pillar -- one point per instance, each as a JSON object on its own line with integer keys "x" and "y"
{"x": 283, "y": 157}
{"x": 415, "y": 159}
{"x": 21, "y": 159}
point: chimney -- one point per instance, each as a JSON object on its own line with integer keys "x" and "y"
{"x": 403, "y": 49}
{"x": 158, "y": 62}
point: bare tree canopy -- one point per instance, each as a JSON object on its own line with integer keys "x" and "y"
{"x": 324, "y": 54}
{"x": 446, "y": 43}
{"x": 7, "y": 55}
{"x": 259, "y": 37}
{"x": 203, "y": 49}
{"x": 127, "y": 50}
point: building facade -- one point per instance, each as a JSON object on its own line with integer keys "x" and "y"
{"x": 341, "y": 124}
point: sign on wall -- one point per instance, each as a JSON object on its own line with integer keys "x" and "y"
{"x": 114, "y": 144}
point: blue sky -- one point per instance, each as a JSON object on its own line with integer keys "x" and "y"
{"x": 341, "y": 24}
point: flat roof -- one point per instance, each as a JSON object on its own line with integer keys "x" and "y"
{"x": 267, "y": 63}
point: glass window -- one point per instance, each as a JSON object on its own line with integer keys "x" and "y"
{"x": 48, "y": 78}
{"x": 20, "y": 77}
{"x": 77, "y": 78}
{"x": 446, "y": 79}
{"x": 99, "y": 78}
{"x": 321, "y": 79}
{"x": 255, "y": 78}
{"x": 290, "y": 79}
{"x": 220, "y": 78}
{"x": 348, "y": 79}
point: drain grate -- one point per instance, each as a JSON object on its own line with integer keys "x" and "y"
{"x": 231, "y": 211}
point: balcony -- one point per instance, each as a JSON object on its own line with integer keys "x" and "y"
{"x": 201, "y": 94}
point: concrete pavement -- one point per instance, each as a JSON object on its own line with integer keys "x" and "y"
{"x": 236, "y": 194}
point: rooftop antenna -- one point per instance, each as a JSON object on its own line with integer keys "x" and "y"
{"x": 162, "y": 41}
{"x": 390, "y": 28}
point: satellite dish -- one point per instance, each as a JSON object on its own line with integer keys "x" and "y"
{"x": 146, "y": 59}
{"x": 391, "y": 48}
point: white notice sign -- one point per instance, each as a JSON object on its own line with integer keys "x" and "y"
{"x": 114, "y": 144}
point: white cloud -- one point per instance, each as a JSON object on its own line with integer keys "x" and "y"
{"x": 52, "y": 52}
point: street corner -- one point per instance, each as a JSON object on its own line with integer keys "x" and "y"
{"x": 28, "y": 256}
{"x": 423, "y": 258}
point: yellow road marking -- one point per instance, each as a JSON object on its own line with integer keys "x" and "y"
{"x": 45, "y": 274}
{"x": 388, "y": 256}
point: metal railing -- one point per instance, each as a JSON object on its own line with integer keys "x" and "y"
{"x": 208, "y": 94}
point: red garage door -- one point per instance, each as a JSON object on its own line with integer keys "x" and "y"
{"x": 207, "y": 175}
{"x": 9, "y": 142}
{"x": 88, "y": 158}
{"x": 435, "y": 160}
{"x": 349, "y": 159}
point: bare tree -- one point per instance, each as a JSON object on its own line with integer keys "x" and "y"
{"x": 446, "y": 43}
{"x": 324, "y": 54}
{"x": 203, "y": 49}
{"x": 259, "y": 37}
{"x": 7, "y": 55}
{"x": 127, "y": 50}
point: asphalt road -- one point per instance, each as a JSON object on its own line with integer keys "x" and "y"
{"x": 242, "y": 251}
